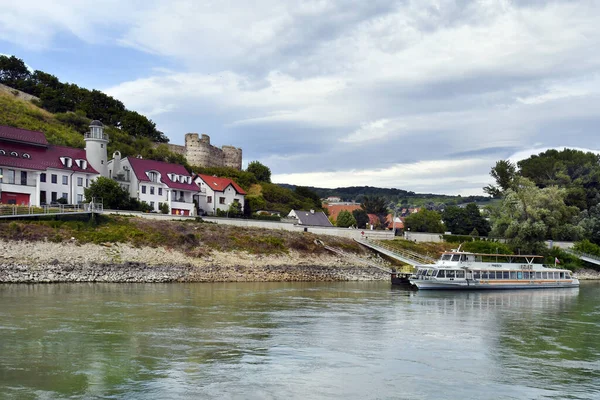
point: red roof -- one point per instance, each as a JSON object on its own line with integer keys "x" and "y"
{"x": 220, "y": 184}
{"x": 140, "y": 166}
{"x": 388, "y": 222}
{"x": 41, "y": 158}
{"x": 334, "y": 209}
{"x": 373, "y": 219}
{"x": 34, "y": 138}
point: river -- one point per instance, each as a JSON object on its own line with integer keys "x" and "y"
{"x": 334, "y": 340}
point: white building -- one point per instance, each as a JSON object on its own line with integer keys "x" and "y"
{"x": 218, "y": 194}
{"x": 155, "y": 182}
{"x": 33, "y": 172}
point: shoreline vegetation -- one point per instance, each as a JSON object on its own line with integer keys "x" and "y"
{"x": 129, "y": 249}
{"x": 122, "y": 249}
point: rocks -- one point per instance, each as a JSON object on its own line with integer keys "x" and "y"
{"x": 32, "y": 262}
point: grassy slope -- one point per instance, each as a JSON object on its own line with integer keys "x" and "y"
{"x": 23, "y": 114}
{"x": 192, "y": 238}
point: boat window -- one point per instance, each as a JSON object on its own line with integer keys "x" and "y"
{"x": 552, "y": 275}
{"x": 463, "y": 257}
{"x": 505, "y": 275}
{"x": 456, "y": 257}
{"x": 460, "y": 274}
{"x": 513, "y": 274}
{"x": 441, "y": 273}
{"x": 430, "y": 272}
{"x": 538, "y": 275}
{"x": 476, "y": 275}
{"x": 446, "y": 257}
{"x": 562, "y": 275}
{"x": 568, "y": 275}
{"x": 519, "y": 275}
{"x": 484, "y": 275}
{"x": 544, "y": 275}
{"x": 450, "y": 274}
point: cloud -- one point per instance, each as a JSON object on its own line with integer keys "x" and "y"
{"x": 324, "y": 92}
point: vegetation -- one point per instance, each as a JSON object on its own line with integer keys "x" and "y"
{"x": 424, "y": 221}
{"x": 260, "y": 171}
{"x": 361, "y": 218}
{"x": 345, "y": 219}
{"x": 192, "y": 238}
{"x": 465, "y": 221}
{"x": 59, "y": 97}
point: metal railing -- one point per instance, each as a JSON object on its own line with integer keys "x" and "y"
{"x": 9, "y": 210}
{"x": 582, "y": 255}
{"x": 422, "y": 259}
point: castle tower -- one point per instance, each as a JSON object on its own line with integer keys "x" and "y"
{"x": 96, "y": 142}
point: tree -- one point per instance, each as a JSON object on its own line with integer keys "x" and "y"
{"x": 424, "y": 221}
{"x": 235, "y": 210}
{"x": 529, "y": 215}
{"x": 13, "y": 72}
{"x": 112, "y": 194}
{"x": 375, "y": 205}
{"x": 345, "y": 219}
{"x": 312, "y": 197}
{"x": 361, "y": 218}
{"x": 503, "y": 173}
{"x": 260, "y": 171}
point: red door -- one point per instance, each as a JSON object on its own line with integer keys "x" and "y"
{"x": 21, "y": 199}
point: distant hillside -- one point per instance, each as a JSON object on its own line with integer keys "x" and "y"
{"x": 396, "y": 196}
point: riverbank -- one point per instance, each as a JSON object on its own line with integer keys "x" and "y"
{"x": 44, "y": 261}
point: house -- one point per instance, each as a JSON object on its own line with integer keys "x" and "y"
{"x": 335, "y": 209}
{"x": 310, "y": 218}
{"x": 155, "y": 182}
{"x": 34, "y": 172}
{"x": 217, "y": 194}
{"x": 333, "y": 199}
{"x": 398, "y": 223}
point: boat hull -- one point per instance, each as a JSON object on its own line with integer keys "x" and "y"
{"x": 474, "y": 285}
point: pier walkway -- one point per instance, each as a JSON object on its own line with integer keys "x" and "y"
{"x": 406, "y": 256}
{"x": 585, "y": 257}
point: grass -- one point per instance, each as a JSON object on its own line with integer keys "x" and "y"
{"x": 192, "y": 238}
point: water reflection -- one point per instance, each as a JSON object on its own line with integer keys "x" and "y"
{"x": 284, "y": 340}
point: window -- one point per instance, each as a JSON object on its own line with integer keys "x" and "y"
{"x": 65, "y": 196}
{"x": 87, "y": 182}
{"x": 153, "y": 176}
{"x": 53, "y": 197}
{"x": 43, "y": 177}
{"x": 441, "y": 273}
{"x": 9, "y": 177}
{"x": 102, "y": 162}
{"x": 143, "y": 189}
{"x": 79, "y": 181}
{"x": 152, "y": 204}
{"x": 460, "y": 274}
{"x": 151, "y": 189}
{"x": 209, "y": 199}
{"x": 160, "y": 191}
{"x": 102, "y": 146}
{"x": 65, "y": 180}
{"x": 26, "y": 155}
{"x": 221, "y": 200}
{"x": 79, "y": 198}
{"x": 54, "y": 178}
{"x": 14, "y": 154}
{"x": 24, "y": 178}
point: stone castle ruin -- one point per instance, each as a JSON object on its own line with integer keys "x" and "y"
{"x": 199, "y": 152}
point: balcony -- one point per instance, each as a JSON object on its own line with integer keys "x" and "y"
{"x": 96, "y": 135}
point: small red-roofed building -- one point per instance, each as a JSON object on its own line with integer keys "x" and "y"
{"x": 217, "y": 193}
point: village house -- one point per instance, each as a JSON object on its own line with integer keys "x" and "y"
{"x": 155, "y": 182}
{"x": 310, "y": 218}
{"x": 34, "y": 172}
{"x": 216, "y": 193}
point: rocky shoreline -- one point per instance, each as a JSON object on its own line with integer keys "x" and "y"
{"x": 47, "y": 262}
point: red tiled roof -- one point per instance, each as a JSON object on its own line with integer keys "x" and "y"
{"x": 42, "y": 158}
{"x": 34, "y": 138}
{"x": 220, "y": 184}
{"x": 140, "y": 166}
{"x": 373, "y": 219}
{"x": 388, "y": 222}
{"x": 334, "y": 209}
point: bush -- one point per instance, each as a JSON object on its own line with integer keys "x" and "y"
{"x": 163, "y": 207}
{"x": 265, "y": 217}
{"x": 585, "y": 246}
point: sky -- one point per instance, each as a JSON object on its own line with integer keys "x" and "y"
{"x": 422, "y": 95}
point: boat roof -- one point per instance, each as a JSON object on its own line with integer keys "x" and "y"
{"x": 494, "y": 255}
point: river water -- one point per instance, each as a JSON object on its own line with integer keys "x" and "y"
{"x": 297, "y": 341}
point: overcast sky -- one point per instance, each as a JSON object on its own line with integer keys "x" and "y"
{"x": 422, "y": 95}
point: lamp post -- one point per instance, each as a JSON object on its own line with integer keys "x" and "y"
{"x": 1, "y": 176}
{"x": 228, "y": 206}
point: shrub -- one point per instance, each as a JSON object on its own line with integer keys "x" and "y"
{"x": 164, "y": 208}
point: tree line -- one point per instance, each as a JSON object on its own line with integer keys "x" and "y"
{"x": 58, "y": 97}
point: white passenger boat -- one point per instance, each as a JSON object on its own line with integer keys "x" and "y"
{"x": 464, "y": 270}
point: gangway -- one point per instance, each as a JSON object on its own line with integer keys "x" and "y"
{"x": 355, "y": 259}
{"x": 585, "y": 257}
{"x": 406, "y": 256}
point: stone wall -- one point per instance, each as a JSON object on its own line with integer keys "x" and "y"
{"x": 199, "y": 152}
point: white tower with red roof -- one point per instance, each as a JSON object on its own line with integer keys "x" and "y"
{"x": 96, "y": 143}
